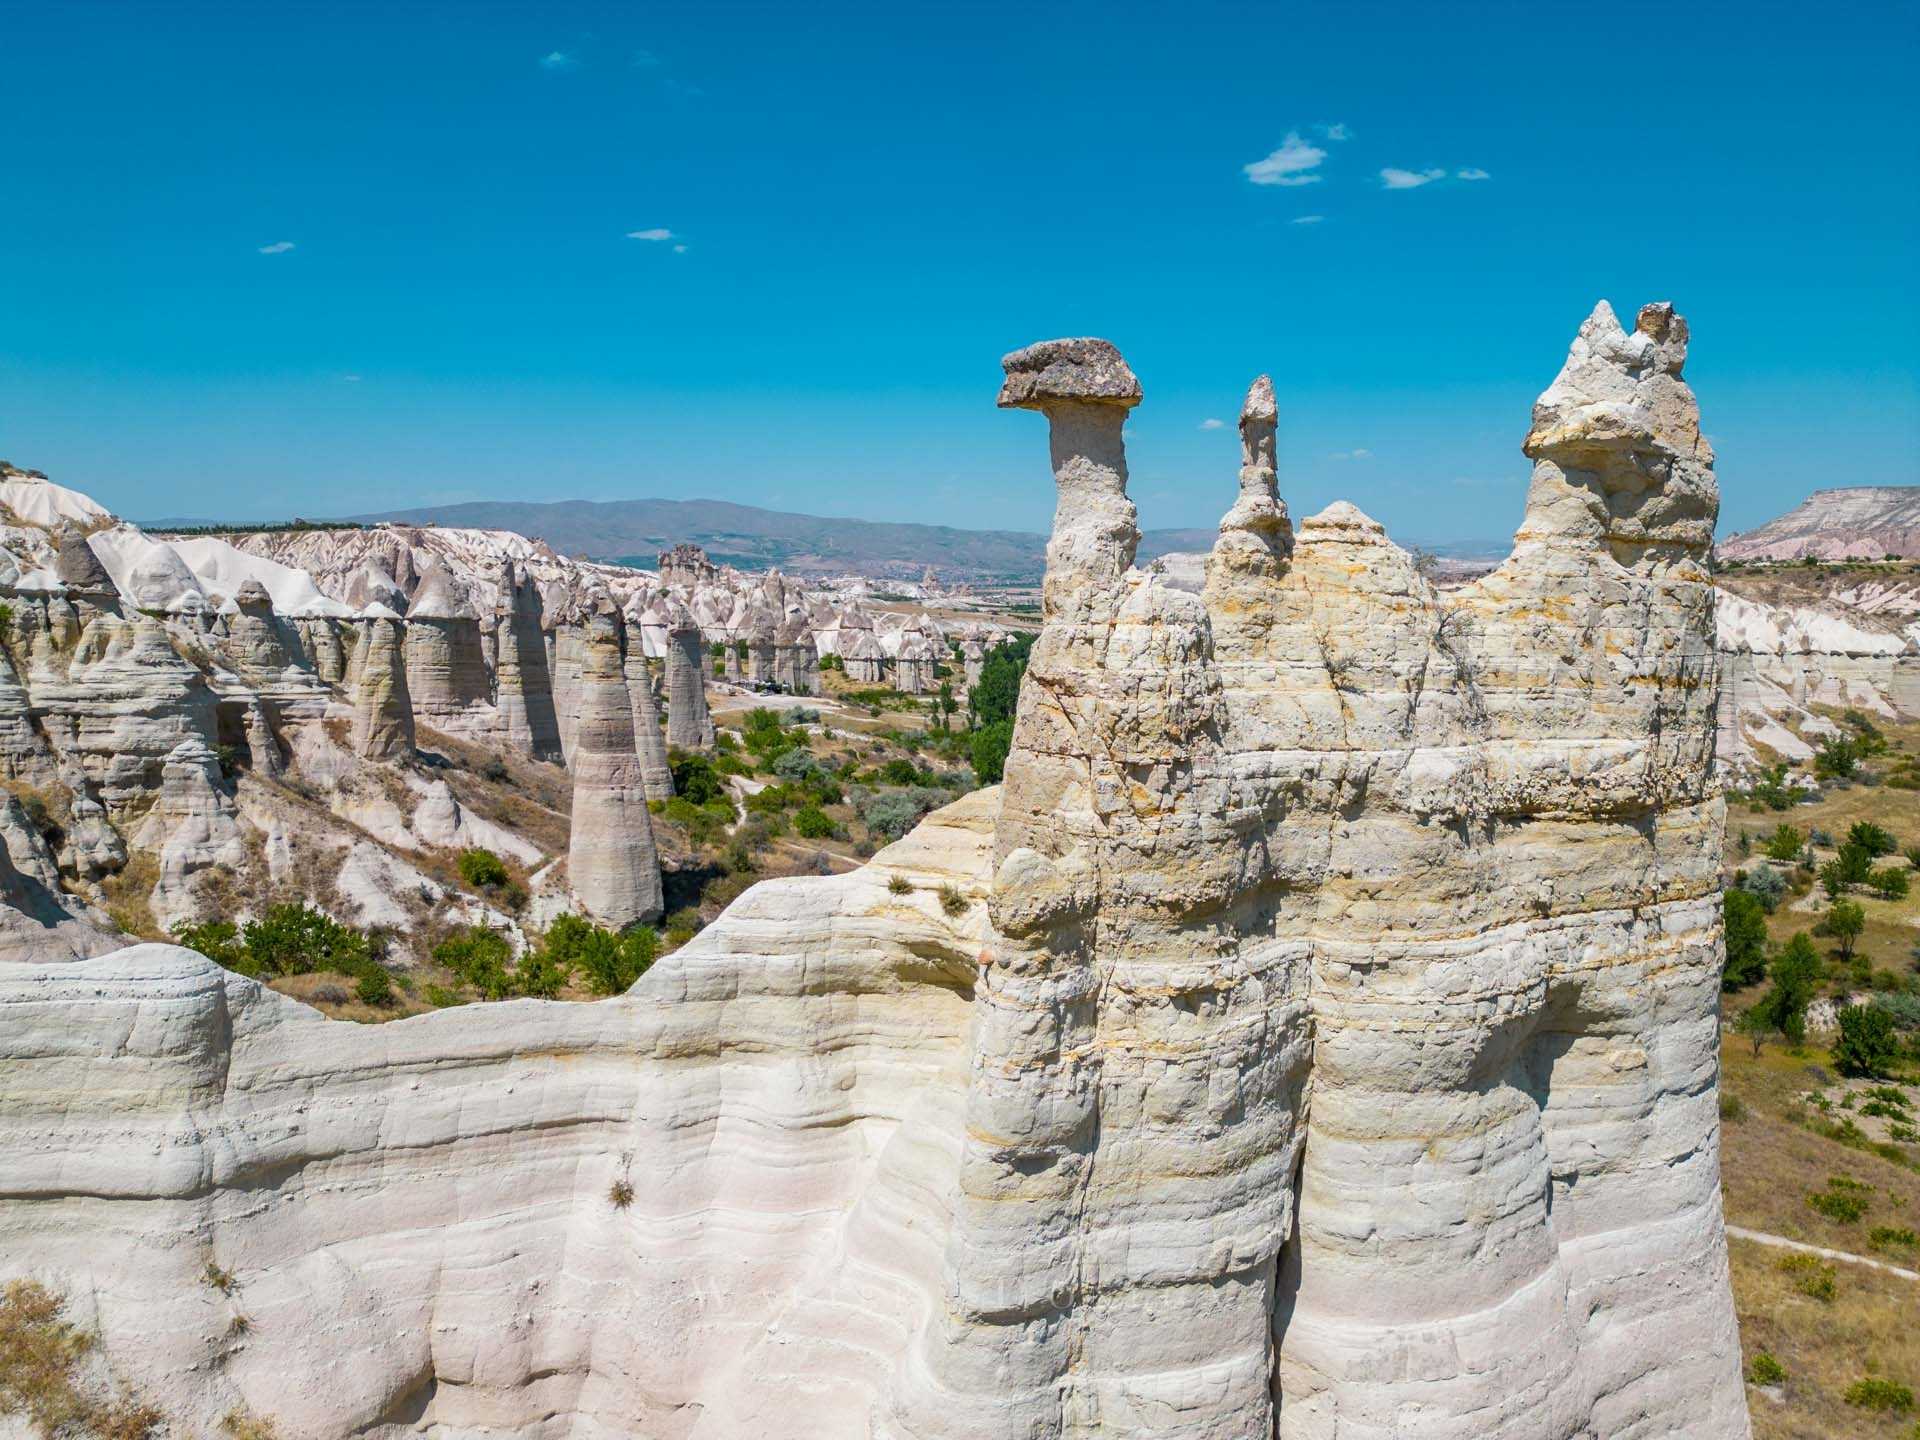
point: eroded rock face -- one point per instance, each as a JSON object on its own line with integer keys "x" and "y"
{"x": 611, "y": 862}
{"x": 1323, "y": 1047}
{"x": 382, "y": 707}
{"x": 689, "y": 722}
{"x": 447, "y": 673}
{"x": 192, "y": 827}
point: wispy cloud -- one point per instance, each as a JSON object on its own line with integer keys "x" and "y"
{"x": 679, "y": 249}
{"x": 661, "y": 233}
{"x": 1393, "y": 179}
{"x": 279, "y": 247}
{"x": 1472, "y": 172}
{"x": 1292, "y": 164}
{"x": 1212, "y": 424}
{"x": 1306, "y": 219}
{"x": 1335, "y": 131}
{"x": 646, "y": 60}
{"x": 558, "y": 60}
{"x": 1351, "y": 455}
{"x": 351, "y": 379}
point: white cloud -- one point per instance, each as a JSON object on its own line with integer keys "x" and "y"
{"x": 1306, "y": 219}
{"x": 1394, "y": 179}
{"x": 662, "y": 233}
{"x": 679, "y": 249}
{"x": 557, "y": 60}
{"x": 1212, "y": 424}
{"x": 1336, "y": 131}
{"x": 1472, "y": 172}
{"x": 1291, "y": 164}
{"x": 279, "y": 247}
{"x": 1351, "y": 455}
{"x": 351, "y": 379}
{"x": 646, "y": 60}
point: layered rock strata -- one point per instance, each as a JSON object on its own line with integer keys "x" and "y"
{"x": 523, "y": 685}
{"x": 689, "y": 723}
{"x": 649, "y": 740}
{"x": 382, "y": 707}
{"x": 447, "y": 675}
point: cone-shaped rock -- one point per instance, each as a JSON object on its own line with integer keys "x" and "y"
{"x": 382, "y": 708}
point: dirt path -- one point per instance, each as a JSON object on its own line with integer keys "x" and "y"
{"x": 1780, "y": 1242}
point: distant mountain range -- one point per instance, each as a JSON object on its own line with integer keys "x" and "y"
{"x": 634, "y": 532}
{"x": 1856, "y": 522}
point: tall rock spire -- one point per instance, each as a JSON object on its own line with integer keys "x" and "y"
{"x": 611, "y": 862}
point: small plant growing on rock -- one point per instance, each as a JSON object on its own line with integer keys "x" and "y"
{"x": 239, "y": 1326}
{"x": 243, "y": 1425}
{"x": 899, "y": 885}
{"x": 221, "y": 1280}
{"x": 620, "y": 1193}
{"x": 952, "y": 901}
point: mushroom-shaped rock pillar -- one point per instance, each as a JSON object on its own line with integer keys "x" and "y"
{"x": 1085, "y": 390}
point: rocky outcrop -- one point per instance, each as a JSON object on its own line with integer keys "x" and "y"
{"x": 192, "y": 827}
{"x": 1324, "y": 1044}
{"x": 796, "y": 665}
{"x": 649, "y": 742}
{"x": 1277, "y": 777}
{"x": 117, "y": 700}
{"x": 523, "y": 686}
{"x": 447, "y": 674}
{"x": 689, "y": 723}
{"x": 382, "y": 707}
{"x": 611, "y": 862}
{"x": 39, "y": 922}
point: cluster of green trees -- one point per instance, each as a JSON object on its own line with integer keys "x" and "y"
{"x": 295, "y": 939}
{"x": 605, "y": 962}
{"x": 992, "y": 704}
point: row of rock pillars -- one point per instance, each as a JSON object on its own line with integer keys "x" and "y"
{"x": 609, "y": 736}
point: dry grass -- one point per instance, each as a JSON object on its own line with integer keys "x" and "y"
{"x": 128, "y": 893}
{"x": 42, "y": 1356}
{"x": 1825, "y": 1346}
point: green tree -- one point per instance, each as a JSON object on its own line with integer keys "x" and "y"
{"x": 1785, "y": 843}
{"x": 997, "y": 695}
{"x": 482, "y": 869}
{"x": 695, "y": 780}
{"x": 989, "y": 749}
{"x": 1795, "y": 974}
{"x": 1867, "y": 1044}
{"x": 1845, "y": 920}
{"x": 295, "y": 939}
{"x": 1746, "y": 924}
{"x": 1838, "y": 759}
{"x": 1872, "y": 839}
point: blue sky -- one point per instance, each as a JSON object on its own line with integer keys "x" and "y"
{"x": 269, "y": 259}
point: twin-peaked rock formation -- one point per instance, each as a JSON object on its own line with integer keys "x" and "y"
{"x": 1327, "y": 1049}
